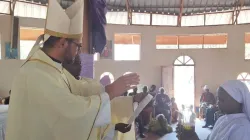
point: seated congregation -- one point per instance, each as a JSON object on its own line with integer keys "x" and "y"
{"x": 229, "y": 115}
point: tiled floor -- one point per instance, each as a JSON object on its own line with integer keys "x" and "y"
{"x": 202, "y": 133}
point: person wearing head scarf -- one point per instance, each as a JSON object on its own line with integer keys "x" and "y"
{"x": 234, "y": 102}
{"x": 160, "y": 126}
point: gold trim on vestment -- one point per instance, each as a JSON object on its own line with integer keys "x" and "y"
{"x": 96, "y": 115}
{"x": 62, "y": 35}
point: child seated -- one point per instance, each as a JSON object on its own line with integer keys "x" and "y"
{"x": 160, "y": 126}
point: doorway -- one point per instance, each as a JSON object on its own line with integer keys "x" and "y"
{"x": 184, "y": 81}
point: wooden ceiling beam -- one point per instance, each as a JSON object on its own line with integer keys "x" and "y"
{"x": 180, "y": 14}
{"x": 129, "y": 12}
{"x": 239, "y": 5}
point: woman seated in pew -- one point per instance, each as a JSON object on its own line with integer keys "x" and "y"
{"x": 175, "y": 111}
{"x": 234, "y": 101}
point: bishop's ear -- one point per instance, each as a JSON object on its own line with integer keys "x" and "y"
{"x": 63, "y": 43}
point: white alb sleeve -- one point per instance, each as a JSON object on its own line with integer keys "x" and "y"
{"x": 104, "y": 115}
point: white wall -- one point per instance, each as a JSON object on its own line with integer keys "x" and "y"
{"x": 212, "y": 66}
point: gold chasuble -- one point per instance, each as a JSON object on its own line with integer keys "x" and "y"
{"x": 43, "y": 108}
{"x": 43, "y": 103}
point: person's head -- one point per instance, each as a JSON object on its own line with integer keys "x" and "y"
{"x": 191, "y": 107}
{"x": 125, "y": 93}
{"x": 205, "y": 88}
{"x": 162, "y": 90}
{"x": 135, "y": 90}
{"x": 233, "y": 96}
{"x": 73, "y": 68}
{"x": 173, "y": 100}
{"x": 160, "y": 117}
{"x": 61, "y": 48}
{"x": 152, "y": 88}
{"x": 145, "y": 89}
{"x": 7, "y": 100}
{"x": 183, "y": 106}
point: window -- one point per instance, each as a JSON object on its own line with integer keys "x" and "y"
{"x": 219, "y": 18}
{"x": 247, "y": 46}
{"x": 111, "y": 77}
{"x": 141, "y": 18}
{"x": 192, "y": 41}
{"x": 117, "y": 17}
{"x": 244, "y": 17}
{"x": 245, "y": 78}
{"x": 23, "y": 9}
{"x": 197, "y": 20}
{"x": 25, "y": 48}
{"x": 166, "y": 42}
{"x": 184, "y": 61}
{"x": 158, "y": 19}
{"x": 127, "y": 47}
{"x": 28, "y": 37}
{"x": 96, "y": 56}
{"x": 4, "y": 7}
{"x": 215, "y": 41}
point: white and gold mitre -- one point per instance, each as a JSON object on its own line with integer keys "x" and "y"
{"x": 61, "y": 23}
{"x": 64, "y": 23}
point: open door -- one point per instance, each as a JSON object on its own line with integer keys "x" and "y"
{"x": 167, "y": 80}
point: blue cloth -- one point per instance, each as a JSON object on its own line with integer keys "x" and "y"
{"x": 98, "y": 12}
